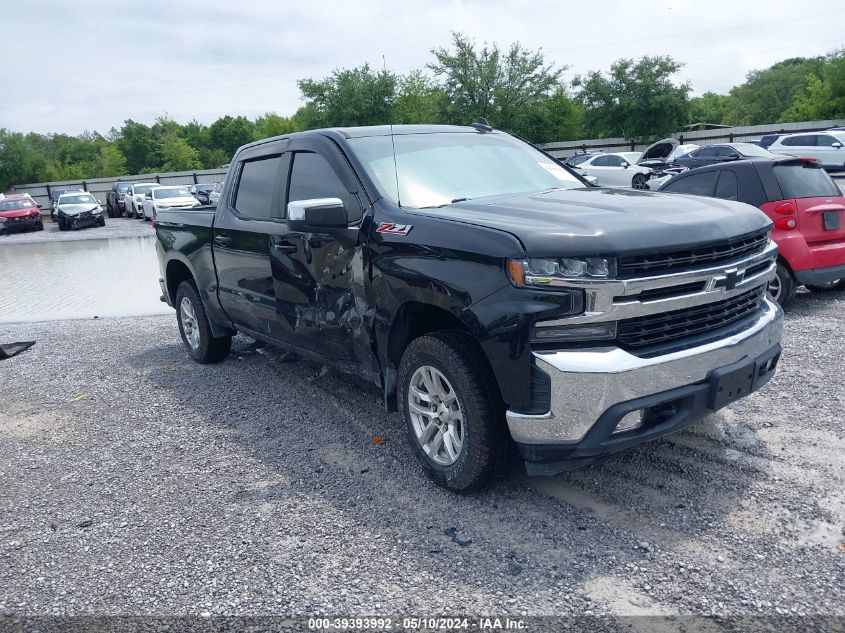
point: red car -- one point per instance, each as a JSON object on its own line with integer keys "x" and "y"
{"x": 805, "y": 205}
{"x": 20, "y": 213}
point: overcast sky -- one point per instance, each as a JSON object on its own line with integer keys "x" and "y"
{"x": 72, "y": 66}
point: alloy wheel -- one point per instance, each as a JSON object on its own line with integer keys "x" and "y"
{"x": 189, "y": 323}
{"x": 436, "y": 415}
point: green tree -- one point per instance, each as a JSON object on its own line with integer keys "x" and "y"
{"x": 354, "y": 96}
{"x": 176, "y": 154}
{"x": 709, "y": 108}
{"x": 229, "y": 133}
{"x": 420, "y": 100}
{"x": 109, "y": 162}
{"x": 271, "y": 124}
{"x": 18, "y": 162}
{"x": 500, "y": 86}
{"x": 558, "y": 118}
{"x": 137, "y": 145}
{"x": 636, "y": 100}
{"x": 767, "y": 94}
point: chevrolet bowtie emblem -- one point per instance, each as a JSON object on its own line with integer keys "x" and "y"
{"x": 732, "y": 279}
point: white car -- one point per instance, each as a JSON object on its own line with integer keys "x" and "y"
{"x": 214, "y": 195}
{"x": 661, "y": 156}
{"x": 826, "y": 147}
{"x": 616, "y": 170}
{"x": 161, "y": 198}
{"x": 134, "y": 198}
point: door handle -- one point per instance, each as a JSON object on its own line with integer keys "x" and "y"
{"x": 222, "y": 240}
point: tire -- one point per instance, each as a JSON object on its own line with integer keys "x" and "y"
{"x": 62, "y": 225}
{"x": 782, "y": 287}
{"x": 40, "y": 225}
{"x": 109, "y": 210}
{"x": 130, "y": 211}
{"x": 194, "y": 327}
{"x": 639, "y": 181}
{"x": 485, "y": 445}
{"x": 101, "y": 221}
{"x": 833, "y": 286}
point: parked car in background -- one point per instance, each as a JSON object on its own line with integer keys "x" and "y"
{"x": 766, "y": 140}
{"x": 722, "y": 152}
{"x": 77, "y": 210}
{"x": 806, "y": 206}
{"x": 616, "y": 170}
{"x": 55, "y": 194}
{"x": 200, "y": 191}
{"x": 20, "y": 213}
{"x": 661, "y": 157}
{"x": 214, "y": 194}
{"x": 826, "y": 147}
{"x": 577, "y": 159}
{"x": 134, "y": 198}
{"x": 115, "y": 199}
{"x": 176, "y": 197}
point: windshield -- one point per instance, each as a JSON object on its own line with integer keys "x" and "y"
{"x": 142, "y": 188}
{"x": 805, "y": 180}
{"x": 167, "y": 192}
{"x": 82, "y": 198}
{"x": 747, "y": 149}
{"x": 121, "y": 188}
{"x": 15, "y": 205}
{"x": 431, "y": 170}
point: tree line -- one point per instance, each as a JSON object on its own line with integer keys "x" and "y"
{"x": 514, "y": 88}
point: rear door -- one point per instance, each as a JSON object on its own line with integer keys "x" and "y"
{"x": 249, "y": 217}
{"x": 819, "y": 202}
{"x": 829, "y": 151}
{"x": 318, "y": 274}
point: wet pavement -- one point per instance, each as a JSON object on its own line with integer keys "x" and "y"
{"x": 93, "y": 276}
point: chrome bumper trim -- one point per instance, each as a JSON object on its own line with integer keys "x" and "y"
{"x": 585, "y": 383}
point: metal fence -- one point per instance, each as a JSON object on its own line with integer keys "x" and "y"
{"x": 564, "y": 149}
{"x": 99, "y": 187}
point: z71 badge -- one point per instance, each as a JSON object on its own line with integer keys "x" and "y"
{"x": 394, "y": 229}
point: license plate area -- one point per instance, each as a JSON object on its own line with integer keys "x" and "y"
{"x": 830, "y": 220}
{"x": 731, "y": 383}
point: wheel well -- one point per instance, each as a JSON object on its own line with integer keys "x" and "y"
{"x": 412, "y": 321}
{"x": 177, "y": 272}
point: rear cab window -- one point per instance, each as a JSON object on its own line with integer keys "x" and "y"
{"x": 805, "y": 179}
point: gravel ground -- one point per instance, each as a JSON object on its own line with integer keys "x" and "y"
{"x": 114, "y": 228}
{"x": 133, "y": 481}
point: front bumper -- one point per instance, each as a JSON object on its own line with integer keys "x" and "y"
{"x": 14, "y": 225}
{"x": 592, "y": 389}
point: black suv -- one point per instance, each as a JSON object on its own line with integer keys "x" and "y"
{"x": 115, "y": 206}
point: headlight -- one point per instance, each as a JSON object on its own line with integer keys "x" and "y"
{"x": 540, "y": 273}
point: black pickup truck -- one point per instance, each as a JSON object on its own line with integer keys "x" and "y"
{"x": 497, "y": 298}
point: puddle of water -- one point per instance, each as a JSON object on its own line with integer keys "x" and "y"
{"x": 79, "y": 280}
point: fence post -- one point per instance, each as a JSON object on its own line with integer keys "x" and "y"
{"x": 84, "y": 186}
{"x": 158, "y": 179}
{"x": 195, "y": 177}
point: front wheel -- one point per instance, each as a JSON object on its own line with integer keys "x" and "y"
{"x": 62, "y": 224}
{"x": 831, "y": 286}
{"x": 639, "y": 181}
{"x": 452, "y": 411}
{"x": 195, "y": 329}
{"x": 782, "y": 287}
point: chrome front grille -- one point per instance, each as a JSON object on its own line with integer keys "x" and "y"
{"x": 710, "y": 255}
{"x": 669, "y": 326}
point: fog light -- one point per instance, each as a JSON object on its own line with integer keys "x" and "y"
{"x": 630, "y": 421}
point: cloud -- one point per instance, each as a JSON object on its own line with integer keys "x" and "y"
{"x": 90, "y": 65}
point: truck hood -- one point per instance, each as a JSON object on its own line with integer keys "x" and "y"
{"x": 602, "y": 221}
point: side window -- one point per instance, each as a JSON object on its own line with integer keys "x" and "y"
{"x": 601, "y": 161}
{"x": 725, "y": 152}
{"x": 254, "y": 196}
{"x": 695, "y": 184}
{"x": 825, "y": 140}
{"x": 313, "y": 177}
{"x": 615, "y": 161}
{"x": 800, "y": 141}
{"x": 727, "y": 187}
{"x": 706, "y": 152}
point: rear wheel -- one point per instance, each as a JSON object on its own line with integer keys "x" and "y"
{"x": 831, "y": 286}
{"x": 639, "y": 181}
{"x": 195, "y": 329}
{"x": 452, "y": 411}
{"x": 782, "y": 287}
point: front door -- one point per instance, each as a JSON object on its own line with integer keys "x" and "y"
{"x": 318, "y": 275}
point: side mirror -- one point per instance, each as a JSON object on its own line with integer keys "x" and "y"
{"x": 99, "y": 201}
{"x": 836, "y": 144}
{"x": 39, "y": 206}
{"x": 625, "y": 165}
{"x": 317, "y": 212}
